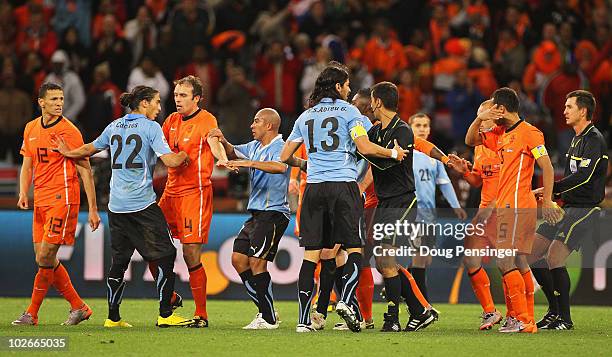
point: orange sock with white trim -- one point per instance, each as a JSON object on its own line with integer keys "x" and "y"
{"x": 63, "y": 284}
{"x": 42, "y": 282}
{"x": 197, "y": 282}
{"x": 481, "y": 286}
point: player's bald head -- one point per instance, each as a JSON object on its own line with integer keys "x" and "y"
{"x": 270, "y": 116}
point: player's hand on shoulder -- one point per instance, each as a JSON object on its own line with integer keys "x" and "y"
{"x": 94, "y": 219}
{"x": 240, "y": 163}
{"x": 217, "y": 133}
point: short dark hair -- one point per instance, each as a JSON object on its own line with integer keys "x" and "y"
{"x": 325, "y": 85}
{"x": 45, "y": 87}
{"x": 584, "y": 99}
{"x": 387, "y": 93}
{"x": 418, "y": 115}
{"x": 194, "y": 82}
{"x": 508, "y": 98}
{"x": 364, "y": 92}
{"x": 138, "y": 94}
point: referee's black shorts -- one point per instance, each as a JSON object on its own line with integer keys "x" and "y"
{"x": 146, "y": 231}
{"x": 393, "y": 211}
{"x": 578, "y": 224}
{"x": 332, "y": 213}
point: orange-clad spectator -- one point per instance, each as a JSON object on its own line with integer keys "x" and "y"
{"x": 510, "y": 55}
{"x": 445, "y": 68}
{"x": 357, "y": 52}
{"x": 561, "y": 83}
{"x": 482, "y": 75}
{"x": 409, "y": 95}
{"x": 419, "y": 50}
{"x": 598, "y": 68}
{"x": 158, "y": 9}
{"x": 439, "y": 28}
{"x": 545, "y": 61}
{"x": 517, "y": 20}
{"x": 384, "y": 54}
{"x": 202, "y": 67}
{"x": 37, "y": 36}
{"x": 107, "y": 7}
{"x": 23, "y": 13}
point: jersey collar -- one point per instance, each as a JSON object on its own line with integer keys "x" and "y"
{"x": 586, "y": 130}
{"x": 135, "y": 116}
{"x": 192, "y": 115}
{"x": 514, "y": 126}
{"x": 42, "y": 123}
{"x": 277, "y": 137}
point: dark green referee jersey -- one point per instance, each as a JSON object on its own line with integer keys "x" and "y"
{"x": 586, "y": 162}
{"x": 582, "y": 189}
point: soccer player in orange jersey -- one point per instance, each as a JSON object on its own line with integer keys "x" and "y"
{"x": 56, "y": 201}
{"x": 485, "y": 174}
{"x": 187, "y": 198}
{"x": 519, "y": 145}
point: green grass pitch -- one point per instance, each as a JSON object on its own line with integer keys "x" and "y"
{"x": 455, "y": 334}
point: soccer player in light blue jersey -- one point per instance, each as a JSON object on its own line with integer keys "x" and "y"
{"x": 332, "y": 208}
{"x": 258, "y": 239}
{"x": 136, "y": 222}
{"x": 428, "y": 173}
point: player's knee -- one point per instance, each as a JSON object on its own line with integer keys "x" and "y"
{"x": 240, "y": 262}
{"x": 554, "y": 260}
{"x": 257, "y": 265}
{"x": 191, "y": 255}
{"x": 505, "y": 264}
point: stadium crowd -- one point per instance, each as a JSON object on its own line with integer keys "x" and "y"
{"x": 445, "y": 56}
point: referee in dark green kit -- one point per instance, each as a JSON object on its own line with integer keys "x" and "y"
{"x": 581, "y": 189}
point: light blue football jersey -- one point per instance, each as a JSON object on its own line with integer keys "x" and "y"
{"x": 135, "y": 143}
{"x": 428, "y": 173}
{"x": 327, "y": 130}
{"x": 268, "y": 191}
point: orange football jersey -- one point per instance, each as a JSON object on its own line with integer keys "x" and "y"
{"x": 55, "y": 177}
{"x": 189, "y": 134}
{"x": 518, "y": 147}
{"x": 487, "y": 165}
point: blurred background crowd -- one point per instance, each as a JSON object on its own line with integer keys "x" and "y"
{"x": 446, "y": 56}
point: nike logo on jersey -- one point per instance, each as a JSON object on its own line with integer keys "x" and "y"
{"x": 188, "y": 235}
{"x": 172, "y": 129}
{"x": 32, "y": 139}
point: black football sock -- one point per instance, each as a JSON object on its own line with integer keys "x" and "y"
{"x": 414, "y": 305}
{"x": 263, "y": 286}
{"x": 419, "y": 275}
{"x": 393, "y": 287}
{"x": 165, "y": 284}
{"x": 305, "y": 290}
{"x": 544, "y": 278}
{"x": 326, "y": 284}
{"x": 562, "y": 285}
{"x": 350, "y": 277}
{"x": 116, "y": 286}
{"x": 249, "y": 284}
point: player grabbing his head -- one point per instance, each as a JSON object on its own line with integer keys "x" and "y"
{"x": 520, "y": 145}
